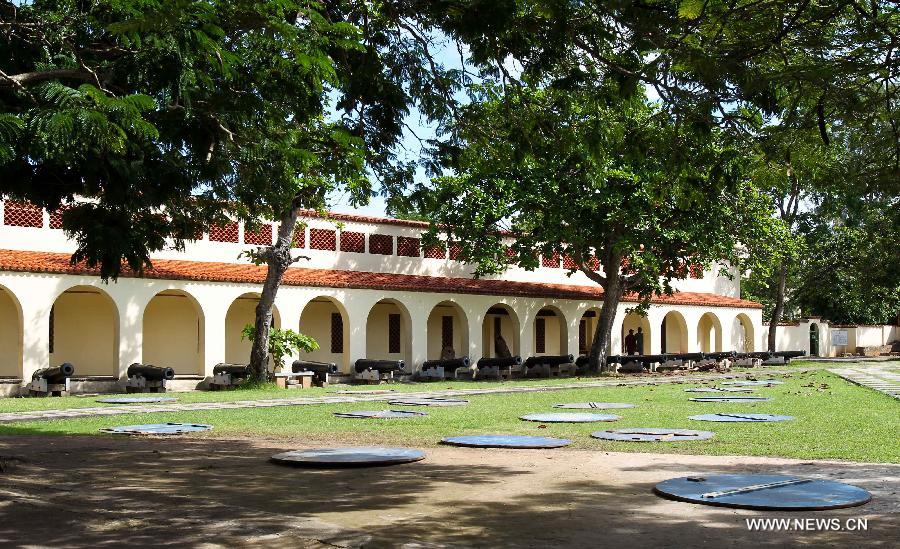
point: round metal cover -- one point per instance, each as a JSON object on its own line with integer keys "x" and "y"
{"x": 731, "y": 399}
{"x": 594, "y": 405}
{"x": 157, "y": 429}
{"x": 570, "y": 418}
{"x": 719, "y": 390}
{"x": 756, "y": 418}
{"x": 380, "y": 414}
{"x": 764, "y": 492}
{"x": 368, "y": 392}
{"x": 135, "y": 400}
{"x": 752, "y": 382}
{"x": 636, "y": 434}
{"x": 428, "y": 402}
{"x": 355, "y": 456}
{"x": 506, "y": 441}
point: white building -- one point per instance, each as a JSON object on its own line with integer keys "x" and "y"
{"x": 368, "y": 290}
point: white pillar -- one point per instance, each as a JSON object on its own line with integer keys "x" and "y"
{"x": 36, "y": 335}
{"x": 418, "y": 332}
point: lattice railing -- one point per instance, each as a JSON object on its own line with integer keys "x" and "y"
{"x": 408, "y": 246}
{"x": 224, "y": 233}
{"x": 353, "y": 242}
{"x": 381, "y": 244}
{"x": 23, "y": 214}
{"x": 260, "y": 237}
{"x": 322, "y": 239}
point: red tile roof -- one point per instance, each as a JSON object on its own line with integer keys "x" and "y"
{"x": 46, "y": 262}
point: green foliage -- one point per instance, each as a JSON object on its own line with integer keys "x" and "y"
{"x": 282, "y": 343}
{"x": 590, "y": 174}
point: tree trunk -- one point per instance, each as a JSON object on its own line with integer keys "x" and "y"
{"x": 278, "y": 259}
{"x": 613, "y": 290}
{"x": 778, "y": 311}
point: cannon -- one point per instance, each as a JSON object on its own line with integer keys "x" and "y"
{"x": 715, "y": 360}
{"x": 443, "y": 368}
{"x": 500, "y": 367}
{"x": 777, "y": 357}
{"x": 147, "y": 378}
{"x": 320, "y": 370}
{"x": 228, "y": 375}
{"x": 550, "y": 365}
{"x": 375, "y": 370}
{"x": 790, "y": 354}
{"x": 51, "y": 381}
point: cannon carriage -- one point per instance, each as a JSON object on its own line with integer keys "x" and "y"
{"x": 227, "y": 375}
{"x": 147, "y": 378}
{"x": 320, "y": 370}
{"x": 369, "y": 370}
{"x": 445, "y": 368}
{"x": 550, "y": 366}
{"x": 500, "y": 367}
{"x": 51, "y": 381}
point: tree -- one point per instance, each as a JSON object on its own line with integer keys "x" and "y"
{"x": 148, "y": 120}
{"x": 282, "y": 343}
{"x": 632, "y": 196}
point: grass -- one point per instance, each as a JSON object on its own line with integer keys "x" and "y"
{"x": 269, "y": 391}
{"x": 834, "y": 420}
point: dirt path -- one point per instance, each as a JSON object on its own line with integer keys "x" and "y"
{"x": 105, "y": 491}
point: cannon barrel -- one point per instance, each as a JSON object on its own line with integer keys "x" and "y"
{"x": 643, "y": 359}
{"x": 789, "y": 354}
{"x": 314, "y": 366}
{"x": 500, "y": 362}
{"x": 553, "y": 360}
{"x": 151, "y": 372}
{"x": 237, "y": 370}
{"x": 447, "y": 363}
{"x": 364, "y": 364}
{"x": 688, "y": 356}
{"x": 720, "y": 355}
{"x": 765, "y": 355}
{"x": 55, "y": 375}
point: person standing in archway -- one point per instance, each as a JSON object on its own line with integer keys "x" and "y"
{"x": 639, "y": 341}
{"x": 630, "y": 343}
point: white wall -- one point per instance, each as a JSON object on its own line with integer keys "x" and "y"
{"x": 10, "y": 337}
{"x": 173, "y": 334}
{"x": 85, "y": 333}
{"x": 316, "y": 323}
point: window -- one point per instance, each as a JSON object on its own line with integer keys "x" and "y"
{"x": 540, "y": 334}
{"x": 52, "y": 310}
{"x": 322, "y": 239}
{"x": 497, "y": 327}
{"x": 446, "y": 332}
{"x": 381, "y": 244}
{"x": 224, "y": 233}
{"x": 582, "y": 337}
{"x": 408, "y": 246}
{"x": 394, "y": 333}
{"x": 337, "y": 333}
{"x": 353, "y": 242}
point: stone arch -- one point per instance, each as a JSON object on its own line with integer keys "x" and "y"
{"x": 503, "y": 317}
{"x": 389, "y": 332}
{"x": 173, "y": 328}
{"x": 447, "y": 324}
{"x": 555, "y": 332}
{"x": 673, "y": 333}
{"x": 587, "y": 327}
{"x": 709, "y": 333}
{"x": 331, "y": 332}
{"x": 743, "y": 334}
{"x": 241, "y": 312}
{"x": 11, "y": 333}
{"x": 633, "y": 321}
{"x": 84, "y": 331}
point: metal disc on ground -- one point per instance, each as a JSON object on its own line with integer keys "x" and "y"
{"x": 594, "y": 405}
{"x": 380, "y": 414}
{"x": 731, "y": 399}
{"x": 756, "y": 418}
{"x": 355, "y": 456}
{"x": 753, "y": 382}
{"x": 639, "y": 434}
{"x": 506, "y": 441}
{"x": 570, "y": 418}
{"x": 764, "y": 492}
{"x": 719, "y": 390}
{"x": 135, "y": 400}
{"x": 157, "y": 429}
{"x": 426, "y": 401}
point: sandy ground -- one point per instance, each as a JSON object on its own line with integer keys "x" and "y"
{"x": 106, "y": 491}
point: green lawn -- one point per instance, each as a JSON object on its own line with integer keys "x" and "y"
{"x": 834, "y": 419}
